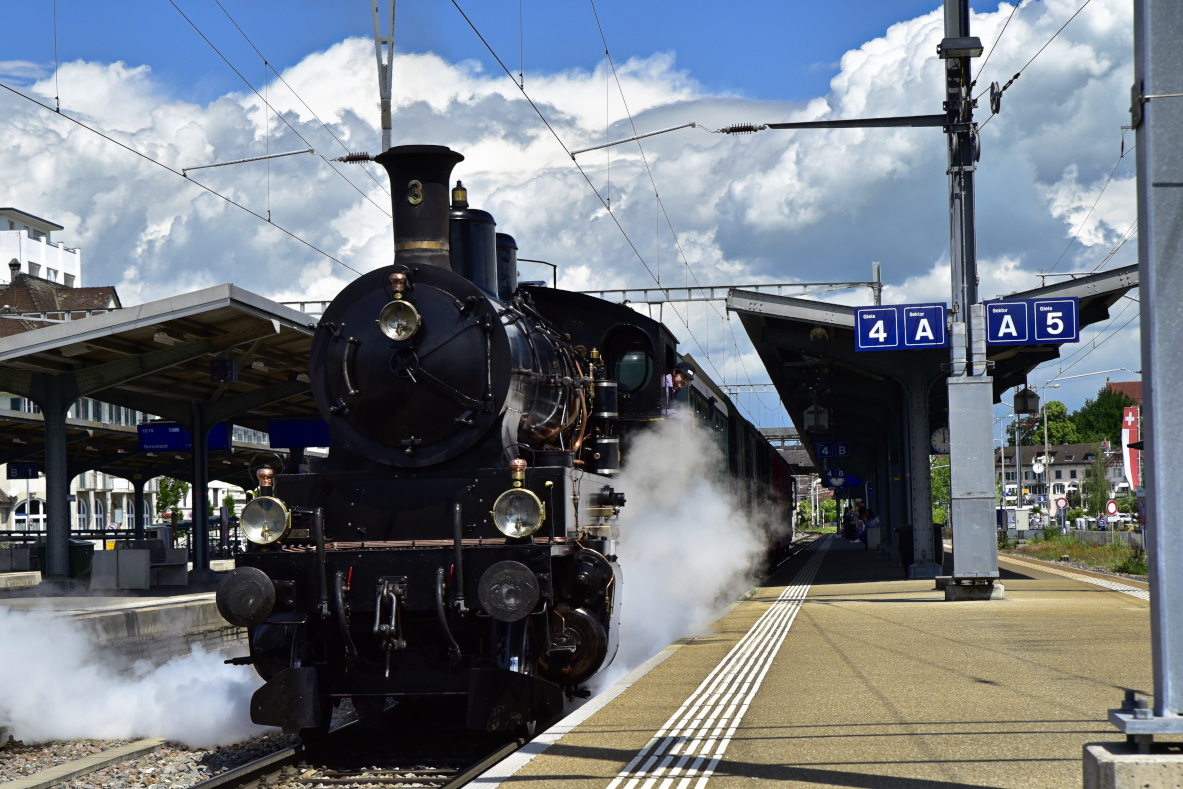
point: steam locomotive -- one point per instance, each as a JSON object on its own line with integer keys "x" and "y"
{"x": 459, "y": 540}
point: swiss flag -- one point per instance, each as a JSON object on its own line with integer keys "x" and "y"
{"x": 1130, "y": 434}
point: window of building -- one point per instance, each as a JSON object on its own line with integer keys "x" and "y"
{"x": 11, "y": 225}
{"x": 36, "y": 519}
{"x": 1058, "y": 487}
{"x": 83, "y": 524}
{"x": 100, "y": 512}
{"x": 68, "y": 279}
{"x": 34, "y": 269}
{"x": 1059, "y": 474}
{"x": 51, "y": 274}
{"x": 1072, "y": 473}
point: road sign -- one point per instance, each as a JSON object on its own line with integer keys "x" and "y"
{"x": 903, "y": 326}
{"x": 23, "y": 470}
{"x": 1111, "y": 507}
{"x": 825, "y": 449}
{"x": 1032, "y": 321}
{"x": 1061, "y": 503}
{"x": 841, "y": 449}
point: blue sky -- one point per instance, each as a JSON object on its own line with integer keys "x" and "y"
{"x": 770, "y": 207}
{"x": 784, "y": 49}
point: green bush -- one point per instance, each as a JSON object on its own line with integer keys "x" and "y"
{"x": 1072, "y": 515}
{"x": 1133, "y": 564}
{"x": 1051, "y": 532}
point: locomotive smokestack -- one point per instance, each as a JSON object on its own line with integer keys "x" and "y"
{"x": 419, "y": 194}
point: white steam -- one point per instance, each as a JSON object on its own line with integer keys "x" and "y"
{"x": 60, "y": 687}
{"x": 687, "y": 550}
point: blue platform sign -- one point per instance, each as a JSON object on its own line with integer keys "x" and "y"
{"x": 900, "y": 327}
{"x": 171, "y": 437}
{"x": 23, "y": 470}
{"x": 841, "y": 449}
{"x": 1033, "y": 321}
{"x": 924, "y": 326}
{"x": 835, "y": 476}
{"x": 824, "y": 449}
{"x": 876, "y": 329}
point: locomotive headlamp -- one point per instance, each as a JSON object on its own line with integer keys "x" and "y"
{"x": 508, "y": 591}
{"x": 399, "y": 320}
{"x": 265, "y": 520}
{"x": 518, "y": 513}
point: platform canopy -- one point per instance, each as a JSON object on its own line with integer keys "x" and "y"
{"x": 808, "y": 348}
{"x": 167, "y": 358}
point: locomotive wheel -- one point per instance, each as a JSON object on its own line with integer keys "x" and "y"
{"x": 578, "y": 646}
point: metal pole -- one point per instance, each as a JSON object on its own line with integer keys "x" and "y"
{"x": 1158, "y": 72}
{"x": 384, "y": 44}
{"x": 971, "y": 390}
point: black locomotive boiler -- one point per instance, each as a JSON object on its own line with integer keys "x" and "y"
{"x": 458, "y": 542}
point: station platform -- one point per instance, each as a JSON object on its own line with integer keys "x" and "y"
{"x": 842, "y": 673}
{"x": 155, "y": 624}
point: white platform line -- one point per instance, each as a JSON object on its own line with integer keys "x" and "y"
{"x": 701, "y": 729}
{"x": 510, "y": 765}
{"x": 1132, "y": 591}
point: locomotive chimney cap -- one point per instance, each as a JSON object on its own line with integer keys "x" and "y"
{"x": 266, "y": 477}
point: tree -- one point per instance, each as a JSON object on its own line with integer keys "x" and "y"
{"x": 170, "y": 493}
{"x": 1061, "y": 429}
{"x": 829, "y": 509}
{"x": 938, "y": 470}
{"x": 228, "y": 502}
{"x": 1100, "y": 419}
{"x": 1095, "y": 489}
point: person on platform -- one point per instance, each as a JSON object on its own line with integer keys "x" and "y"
{"x": 678, "y": 379}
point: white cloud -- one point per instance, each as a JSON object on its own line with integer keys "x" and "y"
{"x": 774, "y": 206}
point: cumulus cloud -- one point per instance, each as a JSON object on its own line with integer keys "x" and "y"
{"x": 772, "y": 207}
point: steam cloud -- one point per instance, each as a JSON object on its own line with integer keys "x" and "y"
{"x": 687, "y": 550}
{"x": 61, "y": 687}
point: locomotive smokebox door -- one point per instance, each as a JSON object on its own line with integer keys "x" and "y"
{"x": 411, "y": 364}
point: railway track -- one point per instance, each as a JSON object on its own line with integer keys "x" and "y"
{"x": 300, "y": 767}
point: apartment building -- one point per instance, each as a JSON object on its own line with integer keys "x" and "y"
{"x": 26, "y": 239}
{"x": 1035, "y": 481}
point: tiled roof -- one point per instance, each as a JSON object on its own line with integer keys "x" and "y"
{"x": 1059, "y": 453}
{"x": 26, "y": 293}
{"x": 1131, "y": 389}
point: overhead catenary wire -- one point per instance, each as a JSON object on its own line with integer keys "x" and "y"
{"x": 1084, "y": 221}
{"x": 1019, "y": 73}
{"x": 994, "y": 46}
{"x": 303, "y": 103}
{"x": 57, "y": 66}
{"x": 652, "y": 180}
{"x": 254, "y": 90}
{"x": 177, "y": 173}
{"x": 582, "y": 172}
